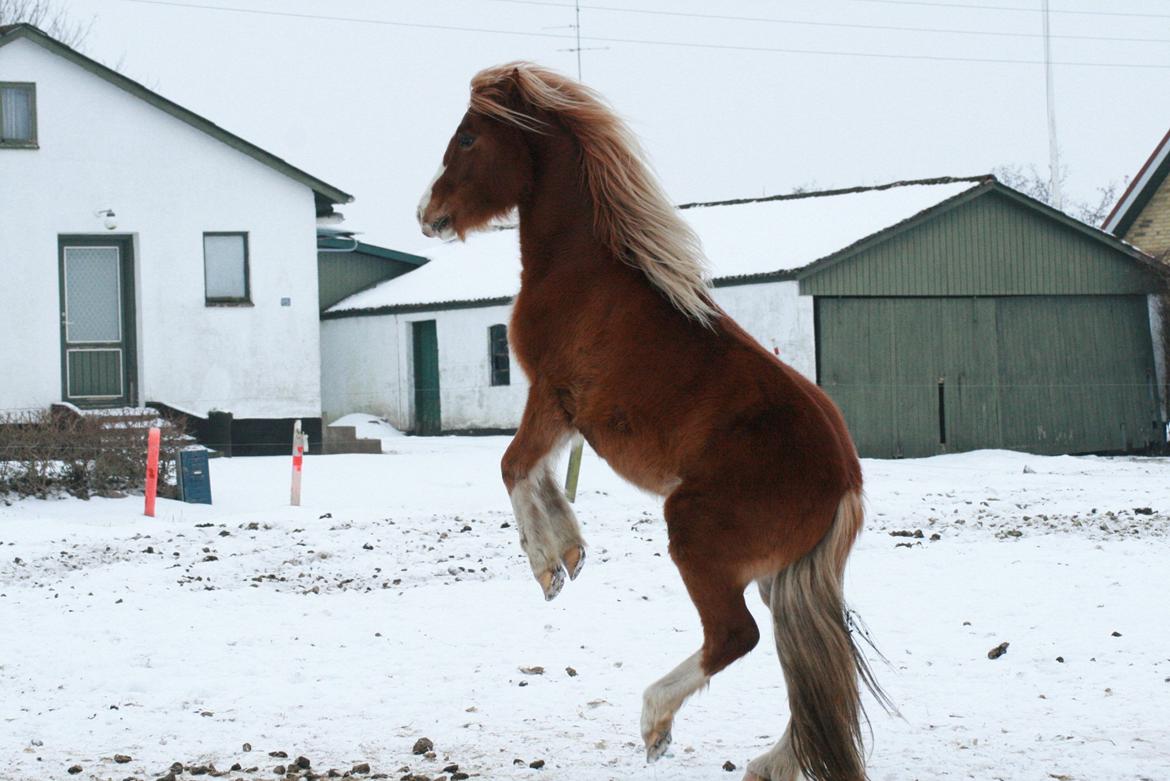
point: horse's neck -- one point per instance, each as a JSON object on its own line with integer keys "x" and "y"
{"x": 556, "y": 220}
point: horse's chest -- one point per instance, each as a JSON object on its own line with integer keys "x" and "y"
{"x": 539, "y": 339}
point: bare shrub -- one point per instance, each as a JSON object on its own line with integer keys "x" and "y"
{"x": 45, "y": 453}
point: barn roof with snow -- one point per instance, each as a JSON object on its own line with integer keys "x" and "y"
{"x": 746, "y": 241}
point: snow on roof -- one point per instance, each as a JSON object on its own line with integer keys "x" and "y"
{"x": 739, "y": 237}
{"x": 790, "y": 232}
{"x": 486, "y": 266}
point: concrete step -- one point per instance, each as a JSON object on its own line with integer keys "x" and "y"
{"x": 344, "y": 439}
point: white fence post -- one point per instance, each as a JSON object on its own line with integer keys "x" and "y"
{"x": 298, "y": 454}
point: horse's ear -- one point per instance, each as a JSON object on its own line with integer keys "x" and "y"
{"x": 512, "y": 89}
{"x": 512, "y": 84}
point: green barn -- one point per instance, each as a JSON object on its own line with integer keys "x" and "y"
{"x": 989, "y": 321}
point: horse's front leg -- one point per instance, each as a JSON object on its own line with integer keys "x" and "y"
{"x": 549, "y": 533}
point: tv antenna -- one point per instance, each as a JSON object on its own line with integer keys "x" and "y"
{"x": 578, "y": 48}
{"x": 1054, "y": 193}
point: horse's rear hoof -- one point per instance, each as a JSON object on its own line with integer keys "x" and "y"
{"x": 574, "y": 560}
{"x": 552, "y": 582}
{"x": 655, "y": 750}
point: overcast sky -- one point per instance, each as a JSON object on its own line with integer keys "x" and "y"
{"x": 369, "y": 105}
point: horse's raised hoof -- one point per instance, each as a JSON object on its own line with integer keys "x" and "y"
{"x": 552, "y": 582}
{"x": 574, "y": 560}
{"x": 655, "y": 749}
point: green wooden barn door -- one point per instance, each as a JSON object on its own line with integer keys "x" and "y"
{"x": 1076, "y": 373}
{"x": 920, "y": 376}
{"x": 97, "y": 320}
{"x": 428, "y": 419}
{"x": 913, "y": 376}
{"x": 855, "y": 359}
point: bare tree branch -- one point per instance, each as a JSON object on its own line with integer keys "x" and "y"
{"x": 1031, "y": 182}
{"x": 49, "y": 16}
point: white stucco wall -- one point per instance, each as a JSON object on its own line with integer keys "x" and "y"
{"x": 367, "y": 366}
{"x": 168, "y": 183}
{"x": 778, "y": 317}
{"x": 367, "y": 361}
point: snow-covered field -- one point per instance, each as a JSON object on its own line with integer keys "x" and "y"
{"x": 396, "y": 605}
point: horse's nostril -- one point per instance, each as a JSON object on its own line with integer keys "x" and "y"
{"x": 441, "y": 223}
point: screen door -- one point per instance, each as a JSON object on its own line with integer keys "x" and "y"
{"x": 96, "y": 321}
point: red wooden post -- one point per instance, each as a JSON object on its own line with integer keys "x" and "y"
{"x": 152, "y": 442}
{"x": 298, "y": 455}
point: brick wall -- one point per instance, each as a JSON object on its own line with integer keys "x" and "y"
{"x": 1151, "y": 230}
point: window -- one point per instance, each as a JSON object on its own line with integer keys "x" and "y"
{"x": 225, "y": 268}
{"x": 498, "y": 353}
{"x": 18, "y": 115}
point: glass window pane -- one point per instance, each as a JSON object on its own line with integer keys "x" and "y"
{"x": 223, "y": 260}
{"x": 16, "y": 122}
{"x": 92, "y": 296}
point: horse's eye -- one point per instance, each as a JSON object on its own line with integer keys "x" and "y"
{"x": 465, "y": 140}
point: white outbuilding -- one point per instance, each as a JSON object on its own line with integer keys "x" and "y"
{"x": 150, "y": 255}
{"x": 428, "y": 350}
{"x": 941, "y": 315}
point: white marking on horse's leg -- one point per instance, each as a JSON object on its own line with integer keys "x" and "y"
{"x": 536, "y": 534}
{"x": 563, "y": 522}
{"x": 425, "y": 201}
{"x": 549, "y": 532}
{"x": 662, "y": 700}
{"x": 779, "y": 763}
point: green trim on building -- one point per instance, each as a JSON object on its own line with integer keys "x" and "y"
{"x": 327, "y": 194}
{"x": 343, "y": 246}
{"x": 346, "y": 266}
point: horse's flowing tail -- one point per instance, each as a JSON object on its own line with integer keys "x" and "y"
{"x": 820, "y": 659}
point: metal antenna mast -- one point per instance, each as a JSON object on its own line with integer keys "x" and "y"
{"x": 1054, "y": 193}
{"x": 577, "y": 28}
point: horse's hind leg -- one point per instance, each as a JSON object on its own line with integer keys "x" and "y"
{"x": 729, "y": 632}
{"x": 779, "y": 763}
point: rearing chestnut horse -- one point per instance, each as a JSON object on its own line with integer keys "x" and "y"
{"x": 616, "y": 330}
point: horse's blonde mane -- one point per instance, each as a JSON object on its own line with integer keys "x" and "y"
{"x": 632, "y": 215}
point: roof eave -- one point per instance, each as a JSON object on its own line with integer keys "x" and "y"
{"x": 398, "y": 309}
{"x": 1141, "y": 188}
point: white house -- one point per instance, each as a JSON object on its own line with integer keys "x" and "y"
{"x": 150, "y": 255}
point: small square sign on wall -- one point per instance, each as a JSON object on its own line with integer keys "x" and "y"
{"x": 286, "y": 301}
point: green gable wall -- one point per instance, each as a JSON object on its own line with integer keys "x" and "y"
{"x": 341, "y": 274}
{"x": 989, "y": 244}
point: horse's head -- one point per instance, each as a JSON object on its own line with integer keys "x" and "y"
{"x": 484, "y": 173}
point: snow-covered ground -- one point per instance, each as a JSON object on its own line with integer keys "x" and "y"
{"x": 396, "y": 604}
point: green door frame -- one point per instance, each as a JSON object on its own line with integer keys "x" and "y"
{"x": 428, "y": 416}
{"x": 127, "y": 344}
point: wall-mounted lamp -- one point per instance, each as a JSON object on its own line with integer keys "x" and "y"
{"x": 110, "y": 223}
